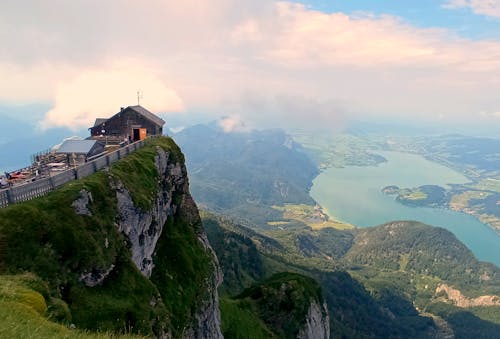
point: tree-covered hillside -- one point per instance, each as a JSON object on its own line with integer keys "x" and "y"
{"x": 378, "y": 282}
{"x": 247, "y": 258}
{"x": 243, "y": 174}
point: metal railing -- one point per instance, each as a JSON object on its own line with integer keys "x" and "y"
{"x": 42, "y": 186}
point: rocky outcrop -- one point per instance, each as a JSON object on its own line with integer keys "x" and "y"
{"x": 143, "y": 228}
{"x": 81, "y": 205}
{"x": 458, "y": 299}
{"x": 95, "y": 277}
{"x": 207, "y": 322}
{"x": 317, "y": 325}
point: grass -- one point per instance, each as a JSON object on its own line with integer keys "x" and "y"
{"x": 412, "y": 194}
{"x": 403, "y": 261}
{"x": 416, "y": 195}
{"x": 282, "y": 301}
{"x": 183, "y": 275}
{"x": 461, "y": 201}
{"x": 24, "y": 312}
{"x": 143, "y": 188}
{"x": 278, "y": 223}
{"x": 337, "y": 150}
{"x": 46, "y": 237}
{"x": 491, "y": 313}
{"x": 122, "y": 303}
{"x": 312, "y": 216}
{"x": 488, "y": 184}
{"x": 239, "y": 322}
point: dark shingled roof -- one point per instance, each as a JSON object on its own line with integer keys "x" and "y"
{"x": 154, "y": 118}
{"x": 99, "y": 121}
{"x": 138, "y": 109}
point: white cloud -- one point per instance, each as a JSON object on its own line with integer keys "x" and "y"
{"x": 263, "y": 60}
{"x": 233, "y": 123}
{"x": 100, "y": 93}
{"x": 489, "y": 8}
{"x": 490, "y": 115}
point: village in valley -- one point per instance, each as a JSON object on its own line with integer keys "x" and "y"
{"x": 130, "y": 125}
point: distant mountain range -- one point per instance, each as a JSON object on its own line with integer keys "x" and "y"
{"x": 243, "y": 174}
{"x": 400, "y": 279}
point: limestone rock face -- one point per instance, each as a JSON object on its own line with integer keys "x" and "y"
{"x": 144, "y": 228}
{"x": 207, "y": 321}
{"x": 81, "y": 204}
{"x": 317, "y": 324}
{"x": 95, "y": 277}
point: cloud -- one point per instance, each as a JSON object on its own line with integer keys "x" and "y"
{"x": 490, "y": 115}
{"x": 100, "y": 93}
{"x": 303, "y": 37}
{"x": 232, "y": 124}
{"x": 489, "y": 8}
{"x": 266, "y": 61}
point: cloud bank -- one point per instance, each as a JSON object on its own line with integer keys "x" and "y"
{"x": 266, "y": 61}
{"x": 100, "y": 93}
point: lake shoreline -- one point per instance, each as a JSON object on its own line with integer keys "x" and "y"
{"x": 361, "y": 202}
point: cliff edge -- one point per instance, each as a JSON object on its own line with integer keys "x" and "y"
{"x": 122, "y": 250}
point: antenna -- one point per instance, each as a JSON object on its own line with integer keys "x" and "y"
{"x": 139, "y": 97}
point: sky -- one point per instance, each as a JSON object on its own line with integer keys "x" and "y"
{"x": 268, "y": 63}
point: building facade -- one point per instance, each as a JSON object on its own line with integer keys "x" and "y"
{"x": 131, "y": 123}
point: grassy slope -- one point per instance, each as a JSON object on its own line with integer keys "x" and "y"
{"x": 239, "y": 321}
{"x": 45, "y": 236}
{"x": 24, "y": 312}
{"x": 274, "y": 308}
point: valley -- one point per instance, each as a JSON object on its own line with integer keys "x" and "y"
{"x": 476, "y": 159}
{"x": 284, "y": 169}
{"x": 293, "y": 264}
{"x": 353, "y": 195}
{"x": 396, "y": 267}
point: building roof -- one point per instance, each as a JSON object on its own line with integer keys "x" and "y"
{"x": 99, "y": 121}
{"x": 77, "y": 146}
{"x": 153, "y": 117}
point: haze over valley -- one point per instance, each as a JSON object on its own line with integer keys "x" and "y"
{"x": 261, "y": 169}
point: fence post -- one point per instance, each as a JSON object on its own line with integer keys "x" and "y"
{"x": 9, "y": 197}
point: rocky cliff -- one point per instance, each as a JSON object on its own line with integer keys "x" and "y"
{"x": 289, "y": 304}
{"x": 317, "y": 324}
{"x": 121, "y": 250}
{"x": 144, "y": 229}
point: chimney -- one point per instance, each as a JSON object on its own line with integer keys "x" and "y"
{"x": 121, "y": 109}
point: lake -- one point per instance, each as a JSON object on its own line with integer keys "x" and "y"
{"x": 353, "y": 195}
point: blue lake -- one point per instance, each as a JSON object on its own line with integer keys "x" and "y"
{"x": 353, "y": 195}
